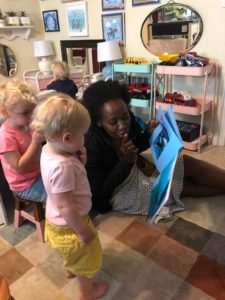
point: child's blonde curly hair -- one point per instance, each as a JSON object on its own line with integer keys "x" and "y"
{"x": 60, "y": 114}
{"x": 60, "y": 70}
{"x": 14, "y": 92}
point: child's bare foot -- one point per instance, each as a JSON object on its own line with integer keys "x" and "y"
{"x": 100, "y": 289}
{"x": 69, "y": 274}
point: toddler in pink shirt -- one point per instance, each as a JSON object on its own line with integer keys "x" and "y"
{"x": 20, "y": 148}
{"x": 69, "y": 230}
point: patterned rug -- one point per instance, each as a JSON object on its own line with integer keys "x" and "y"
{"x": 183, "y": 259}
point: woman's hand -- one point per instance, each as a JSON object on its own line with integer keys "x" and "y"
{"x": 128, "y": 149}
{"x": 151, "y": 126}
{"x": 82, "y": 155}
{"x": 145, "y": 165}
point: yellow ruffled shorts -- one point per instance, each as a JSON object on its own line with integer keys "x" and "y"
{"x": 81, "y": 260}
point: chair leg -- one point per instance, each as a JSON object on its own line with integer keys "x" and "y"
{"x": 39, "y": 216}
{"x": 40, "y": 226}
{"x": 18, "y": 220}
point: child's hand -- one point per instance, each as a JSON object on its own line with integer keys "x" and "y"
{"x": 87, "y": 236}
{"x": 151, "y": 126}
{"x": 37, "y": 138}
{"x": 82, "y": 155}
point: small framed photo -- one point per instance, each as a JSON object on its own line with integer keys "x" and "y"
{"x": 112, "y": 4}
{"x": 113, "y": 27}
{"x": 51, "y": 21}
{"x": 144, "y": 2}
{"x": 77, "y": 18}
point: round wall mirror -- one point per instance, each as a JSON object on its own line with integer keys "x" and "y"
{"x": 171, "y": 28}
{"x": 8, "y": 64}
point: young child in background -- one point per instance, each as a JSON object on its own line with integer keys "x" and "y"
{"x": 61, "y": 82}
{"x": 69, "y": 230}
{"x": 20, "y": 147}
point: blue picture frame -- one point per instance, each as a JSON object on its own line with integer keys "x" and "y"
{"x": 113, "y": 27}
{"x": 77, "y": 19}
{"x": 112, "y": 4}
{"x": 51, "y": 21}
{"x": 144, "y": 2}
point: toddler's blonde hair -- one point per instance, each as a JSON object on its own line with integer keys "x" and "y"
{"x": 61, "y": 70}
{"x": 60, "y": 114}
{"x": 14, "y": 92}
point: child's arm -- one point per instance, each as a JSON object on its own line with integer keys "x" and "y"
{"x": 22, "y": 163}
{"x": 65, "y": 203}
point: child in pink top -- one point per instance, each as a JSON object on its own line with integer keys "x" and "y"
{"x": 20, "y": 148}
{"x": 69, "y": 230}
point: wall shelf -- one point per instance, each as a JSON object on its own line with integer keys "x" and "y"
{"x": 11, "y": 32}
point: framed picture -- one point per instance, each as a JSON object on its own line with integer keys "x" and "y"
{"x": 51, "y": 21}
{"x": 112, "y": 4}
{"x": 143, "y": 2}
{"x": 113, "y": 27}
{"x": 77, "y": 18}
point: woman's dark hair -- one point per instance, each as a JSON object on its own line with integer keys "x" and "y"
{"x": 100, "y": 92}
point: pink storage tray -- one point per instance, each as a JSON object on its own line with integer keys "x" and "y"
{"x": 193, "y": 146}
{"x": 188, "y": 71}
{"x": 187, "y": 110}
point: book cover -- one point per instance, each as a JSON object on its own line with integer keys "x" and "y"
{"x": 166, "y": 144}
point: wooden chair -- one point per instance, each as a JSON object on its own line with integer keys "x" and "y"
{"x": 37, "y": 216}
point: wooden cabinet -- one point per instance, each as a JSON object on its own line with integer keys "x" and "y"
{"x": 205, "y": 100}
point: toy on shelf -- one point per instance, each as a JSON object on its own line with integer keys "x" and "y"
{"x": 188, "y": 131}
{"x": 136, "y": 60}
{"x": 189, "y": 59}
{"x": 139, "y": 90}
{"x": 169, "y": 58}
{"x": 181, "y": 98}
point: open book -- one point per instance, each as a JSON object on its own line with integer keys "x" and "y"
{"x": 166, "y": 143}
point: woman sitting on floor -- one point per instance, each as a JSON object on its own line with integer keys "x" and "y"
{"x": 113, "y": 164}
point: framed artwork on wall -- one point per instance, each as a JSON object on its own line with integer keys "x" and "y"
{"x": 113, "y": 27}
{"x": 144, "y": 2}
{"x": 51, "y": 21}
{"x": 77, "y": 18}
{"x": 112, "y": 4}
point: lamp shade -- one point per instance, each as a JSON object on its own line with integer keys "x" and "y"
{"x": 43, "y": 48}
{"x": 108, "y": 51}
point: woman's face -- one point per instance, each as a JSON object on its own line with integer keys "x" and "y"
{"x": 115, "y": 118}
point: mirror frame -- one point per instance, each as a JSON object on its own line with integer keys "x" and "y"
{"x": 64, "y": 44}
{"x": 175, "y": 4}
{"x": 11, "y": 71}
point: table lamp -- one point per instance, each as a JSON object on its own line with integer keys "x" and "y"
{"x": 43, "y": 49}
{"x": 108, "y": 52}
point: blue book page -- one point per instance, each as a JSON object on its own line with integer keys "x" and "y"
{"x": 166, "y": 143}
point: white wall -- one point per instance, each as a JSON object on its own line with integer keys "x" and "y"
{"x": 23, "y": 49}
{"x": 211, "y": 44}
